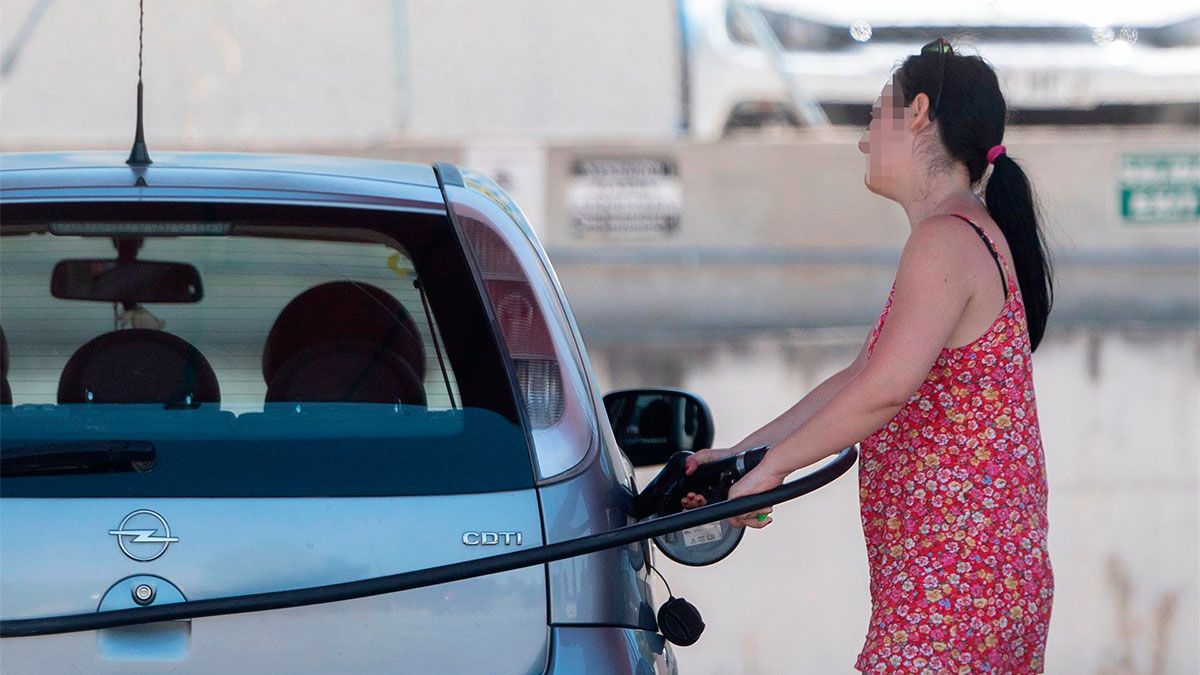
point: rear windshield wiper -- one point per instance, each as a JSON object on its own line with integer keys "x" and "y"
{"x": 77, "y": 457}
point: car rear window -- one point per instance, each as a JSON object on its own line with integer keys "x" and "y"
{"x": 315, "y": 352}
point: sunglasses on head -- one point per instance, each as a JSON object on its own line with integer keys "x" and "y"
{"x": 941, "y": 47}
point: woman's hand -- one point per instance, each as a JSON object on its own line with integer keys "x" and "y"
{"x": 758, "y": 480}
{"x": 693, "y": 500}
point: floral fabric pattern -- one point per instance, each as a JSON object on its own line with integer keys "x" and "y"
{"x": 953, "y": 497}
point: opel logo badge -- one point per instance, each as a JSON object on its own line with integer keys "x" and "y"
{"x": 143, "y": 535}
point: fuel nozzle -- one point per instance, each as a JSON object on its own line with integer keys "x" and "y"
{"x": 663, "y": 494}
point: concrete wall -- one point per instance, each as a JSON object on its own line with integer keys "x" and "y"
{"x": 783, "y": 234}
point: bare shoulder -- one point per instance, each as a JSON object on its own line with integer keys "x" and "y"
{"x": 948, "y": 230}
{"x": 940, "y": 243}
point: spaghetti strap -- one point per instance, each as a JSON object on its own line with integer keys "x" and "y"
{"x": 991, "y": 249}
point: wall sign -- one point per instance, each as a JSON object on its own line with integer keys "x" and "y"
{"x": 1159, "y": 187}
{"x": 625, "y": 198}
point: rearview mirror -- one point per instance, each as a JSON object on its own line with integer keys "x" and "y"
{"x": 126, "y": 281}
{"x": 650, "y": 425}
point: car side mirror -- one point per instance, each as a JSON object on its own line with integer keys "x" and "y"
{"x": 650, "y": 425}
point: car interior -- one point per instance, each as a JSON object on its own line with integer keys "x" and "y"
{"x": 342, "y": 340}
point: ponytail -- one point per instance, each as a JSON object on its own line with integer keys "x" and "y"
{"x": 971, "y": 119}
{"x": 1010, "y": 203}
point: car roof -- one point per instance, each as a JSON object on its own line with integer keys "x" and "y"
{"x": 216, "y": 176}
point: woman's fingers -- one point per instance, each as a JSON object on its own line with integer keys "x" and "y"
{"x": 697, "y": 458}
{"x": 693, "y": 500}
{"x": 751, "y": 519}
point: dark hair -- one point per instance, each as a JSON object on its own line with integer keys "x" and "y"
{"x": 971, "y": 116}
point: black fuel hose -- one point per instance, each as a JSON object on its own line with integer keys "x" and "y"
{"x": 431, "y": 576}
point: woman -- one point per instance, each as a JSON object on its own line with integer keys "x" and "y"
{"x": 952, "y": 482}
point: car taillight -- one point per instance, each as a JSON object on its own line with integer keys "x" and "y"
{"x": 522, "y": 324}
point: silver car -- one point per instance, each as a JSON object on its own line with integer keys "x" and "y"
{"x": 1075, "y": 62}
{"x": 285, "y": 414}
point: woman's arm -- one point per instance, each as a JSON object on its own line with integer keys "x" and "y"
{"x": 933, "y": 286}
{"x": 777, "y": 429}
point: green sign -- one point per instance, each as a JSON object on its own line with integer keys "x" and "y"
{"x": 1160, "y": 188}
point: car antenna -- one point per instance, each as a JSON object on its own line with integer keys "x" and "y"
{"x": 139, "y": 155}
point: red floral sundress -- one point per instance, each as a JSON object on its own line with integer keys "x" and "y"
{"x": 953, "y": 496}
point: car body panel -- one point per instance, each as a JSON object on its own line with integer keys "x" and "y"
{"x": 622, "y": 651}
{"x": 201, "y": 176}
{"x": 606, "y": 587}
{"x": 239, "y": 546}
{"x": 271, "y": 168}
{"x": 589, "y": 491}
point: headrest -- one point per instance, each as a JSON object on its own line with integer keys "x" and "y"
{"x": 138, "y": 365}
{"x": 346, "y": 371}
{"x": 342, "y": 310}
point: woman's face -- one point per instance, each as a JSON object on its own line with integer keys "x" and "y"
{"x": 888, "y": 143}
